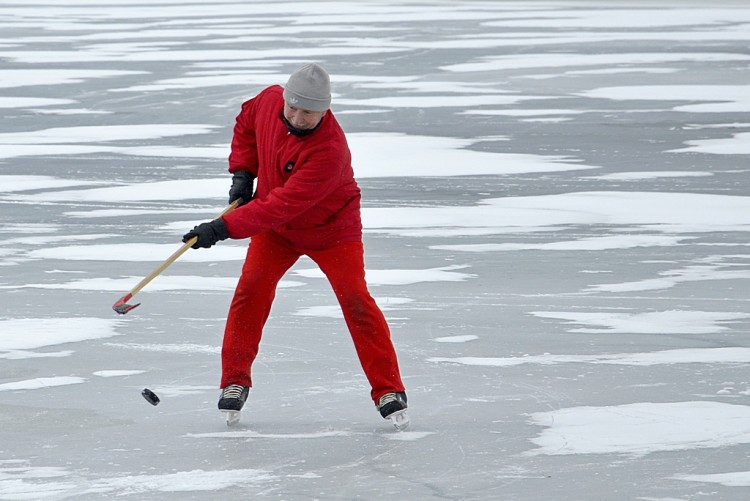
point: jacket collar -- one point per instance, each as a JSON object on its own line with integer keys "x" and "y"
{"x": 299, "y": 132}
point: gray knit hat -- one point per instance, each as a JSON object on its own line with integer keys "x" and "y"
{"x": 309, "y": 88}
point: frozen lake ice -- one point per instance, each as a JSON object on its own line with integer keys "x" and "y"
{"x": 557, "y": 209}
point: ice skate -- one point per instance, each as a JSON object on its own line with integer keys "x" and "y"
{"x": 393, "y": 406}
{"x": 232, "y": 399}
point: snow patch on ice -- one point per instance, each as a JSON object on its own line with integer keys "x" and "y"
{"x": 640, "y": 176}
{"x": 456, "y": 339}
{"x": 641, "y": 428}
{"x": 738, "y": 144}
{"x": 28, "y": 228}
{"x": 656, "y": 211}
{"x": 183, "y": 481}
{"x": 421, "y": 156}
{"x": 181, "y": 390}
{"x": 609, "y": 242}
{"x": 711, "y": 98}
{"x": 25, "y": 102}
{"x": 23, "y": 354}
{"x": 18, "y": 481}
{"x": 447, "y": 100}
{"x": 41, "y": 383}
{"x": 656, "y": 322}
{"x": 334, "y": 311}
{"x": 402, "y": 276}
{"x": 729, "y": 479}
{"x": 710, "y": 268}
{"x": 183, "y": 189}
{"x": 33, "y": 333}
{"x": 39, "y": 150}
{"x": 163, "y": 283}
{"x": 103, "y": 133}
{"x": 12, "y": 183}
{"x": 523, "y": 112}
{"x": 735, "y": 355}
{"x": 586, "y": 19}
{"x": 282, "y": 436}
{"x": 139, "y": 252}
{"x": 68, "y": 111}
{"x": 242, "y": 78}
{"x": 117, "y": 373}
{"x": 48, "y": 76}
{"x": 408, "y": 436}
{"x": 120, "y": 213}
{"x": 571, "y": 59}
{"x": 169, "y": 348}
{"x": 53, "y": 239}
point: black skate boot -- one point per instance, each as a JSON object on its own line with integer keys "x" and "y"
{"x": 231, "y": 401}
{"x": 393, "y": 406}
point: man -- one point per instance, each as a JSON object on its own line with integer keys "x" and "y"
{"x": 306, "y": 202}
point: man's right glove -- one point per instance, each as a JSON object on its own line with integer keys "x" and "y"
{"x": 208, "y": 234}
{"x": 242, "y": 187}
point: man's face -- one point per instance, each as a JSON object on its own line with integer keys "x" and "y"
{"x": 302, "y": 119}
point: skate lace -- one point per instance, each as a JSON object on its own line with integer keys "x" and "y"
{"x": 232, "y": 391}
{"x": 387, "y": 398}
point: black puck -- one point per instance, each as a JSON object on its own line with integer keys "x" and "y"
{"x": 150, "y": 396}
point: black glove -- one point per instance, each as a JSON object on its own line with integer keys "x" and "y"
{"x": 242, "y": 187}
{"x": 208, "y": 234}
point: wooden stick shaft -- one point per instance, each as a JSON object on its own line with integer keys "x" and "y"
{"x": 171, "y": 259}
{"x": 179, "y": 252}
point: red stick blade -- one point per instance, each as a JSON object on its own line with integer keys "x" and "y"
{"x": 121, "y": 305}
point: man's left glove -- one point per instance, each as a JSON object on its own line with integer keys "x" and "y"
{"x": 208, "y": 234}
{"x": 242, "y": 187}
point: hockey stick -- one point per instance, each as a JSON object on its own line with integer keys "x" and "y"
{"x": 122, "y": 307}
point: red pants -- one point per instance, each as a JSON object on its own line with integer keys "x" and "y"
{"x": 269, "y": 257}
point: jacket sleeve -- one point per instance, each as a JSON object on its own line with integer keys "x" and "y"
{"x": 316, "y": 178}
{"x": 244, "y": 153}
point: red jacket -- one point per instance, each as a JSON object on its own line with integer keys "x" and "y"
{"x": 306, "y": 190}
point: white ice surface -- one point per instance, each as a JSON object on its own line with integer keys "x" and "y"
{"x": 181, "y": 481}
{"x": 709, "y": 98}
{"x": 665, "y": 212}
{"x": 256, "y": 435}
{"x": 582, "y": 244}
{"x": 641, "y": 428}
{"x": 531, "y": 42}
{"x": 571, "y": 59}
{"x": 10, "y": 78}
{"x": 729, "y": 479}
{"x": 334, "y": 310}
{"x": 401, "y": 276}
{"x": 639, "y": 176}
{"x": 738, "y": 144}
{"x": 117, "y": 373}
{"x": 24, "y": 102}
{"x": 419, "y": 156}
{"x": 19, "y": 481}
{"x": 34, "y": 333}
{"x": 41, "y": 383}
{"x": 182, "y": 348}
{"x": 102, "y": 133}
{"x": 657, "y": 322}
{"x": 733, "y": 355}
{"x": 456, "y": 339}
{"x": 165, "y": 282}
{"x": 653, "y": 211}
{"x": 705, "y": 270}
{"x": 138, "y": 252}
{"x": 10, "y": 183}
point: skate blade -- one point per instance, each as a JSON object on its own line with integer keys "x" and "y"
{"x": 400, "y": 420}
{"x": 233, "y": 417}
